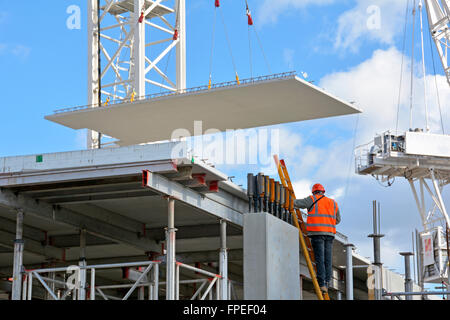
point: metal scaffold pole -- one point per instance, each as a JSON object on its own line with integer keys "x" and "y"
{"x": 349, "y": 271}
{"x": 223, "y": 261}
{"x": 82, "y": 264}
{"x": 18, "y": 257}
{"x": 376, "y": 251}
{"x": 408, "y": 280}
{"x": 170, "y": 253}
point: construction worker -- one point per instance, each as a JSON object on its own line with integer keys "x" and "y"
{"x": 323, "y": 216}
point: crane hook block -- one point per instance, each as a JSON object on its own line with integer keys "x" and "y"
{"x": 217, "y": 3}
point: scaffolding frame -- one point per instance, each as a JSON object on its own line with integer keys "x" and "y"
{"x": 81, "y": 286}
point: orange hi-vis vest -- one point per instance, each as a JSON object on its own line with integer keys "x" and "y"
{"x": 322, "y": 215}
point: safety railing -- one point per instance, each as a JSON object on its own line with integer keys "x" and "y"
{"x": 421, "y": 293}
{"x": 362, "y": 156}
{"x": 383, "y": 146}
{"x": 205, "y": 88}
{"x": 65, "y": 283}
{"x": 75, "y": 283}
{"x": 206, "y": 285}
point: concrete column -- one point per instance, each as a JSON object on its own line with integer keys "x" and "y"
{"x": 223, "y": 261}
{"x": 82, "y": 263}
{"x": 170, "y": 253}
{"x": 18, "y": 258}
{"x": 268, "y": 244}
{"x": 349, "y": 271}
{"x": 408, "y": 280}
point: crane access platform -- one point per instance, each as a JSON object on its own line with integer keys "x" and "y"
{"x": 416, "y": 156}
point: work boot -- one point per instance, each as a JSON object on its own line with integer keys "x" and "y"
{"x": 324, "y": 289}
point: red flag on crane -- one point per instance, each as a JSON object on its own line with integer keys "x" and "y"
{"x": 141, "y": 18}
{"x": 217, "y": 3}
{"x": 249, "y": 15}
{"x": 175, "y": 35}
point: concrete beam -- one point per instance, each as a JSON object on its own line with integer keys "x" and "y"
{"x": 205, "y": 256}
{"x": 89, "y": 191}
{"x": 86, "y": 173}
{"x": 28, "y": 231}
{"x": 38, "y": 290}
{"x": 157, "y": 234}
{"x": 184, "y": 173}
{"x": 79, "y": 185}
{"x": 108, "y": 217}
{"x": 32, "y": 246}
{"x": 73, "y": 240}
{"x": 231, "y": 212}
{"x": 51, "y": 213}
{"x": 192, "y": 232}
{"x": 90, "y": 198}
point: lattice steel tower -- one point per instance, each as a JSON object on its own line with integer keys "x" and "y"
{"x": 132, "y": 56}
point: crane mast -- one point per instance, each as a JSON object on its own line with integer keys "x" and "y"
{"x": 423, "y": 159}
{"x": 439, "y": 22}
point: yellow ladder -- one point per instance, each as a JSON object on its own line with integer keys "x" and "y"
{"x": 305, "y": 242}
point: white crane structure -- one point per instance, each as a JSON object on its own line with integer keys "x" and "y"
{"x": 439, "y": 22}
{"x": 127, "y": 43}
{"x": 422, "y": 158}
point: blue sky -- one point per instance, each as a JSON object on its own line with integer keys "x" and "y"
{"x": 44, "y": 68}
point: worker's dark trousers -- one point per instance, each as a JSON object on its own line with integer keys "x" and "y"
{"x": 323, "y": 252}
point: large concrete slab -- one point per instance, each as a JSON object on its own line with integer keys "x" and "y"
{"x": 271, "y": 258}
{"x": 249, "y": 105}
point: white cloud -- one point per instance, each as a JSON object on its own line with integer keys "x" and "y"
{"x": 21, "y": 51}
{"x": 18, "y": 50}
{"x": 3, "y": 16}
{"x": 270, "y": 10}
{"x": 389, "y": 252}
{"x": 374, "y": 86}
{"x": 337, "y": 193}
{"x": 302, "y": 188}
{"x": 376, "y": 20}
{"x": 288, "y": 56}
{"x": 80, "y": 139}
